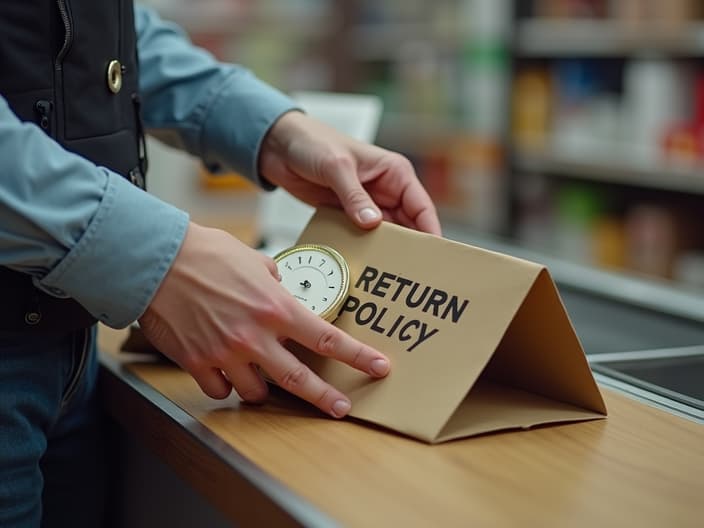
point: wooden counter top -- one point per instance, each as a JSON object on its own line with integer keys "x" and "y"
{"x": 283, "y": 463}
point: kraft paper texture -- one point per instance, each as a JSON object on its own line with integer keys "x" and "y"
{"x": 479, "y": 341}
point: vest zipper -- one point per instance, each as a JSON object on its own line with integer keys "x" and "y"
{"x": 43, "y": 108}
{"x": 141, "y": 142}
{"x": 68, "y": 32}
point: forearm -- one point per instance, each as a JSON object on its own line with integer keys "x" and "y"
{"x": 72, "y": 225}
{"x": 218, "y": 112}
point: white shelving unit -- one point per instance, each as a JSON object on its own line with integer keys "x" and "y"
{"x": 602, "y": 38}
{"x": 612, "y": 170}
{"x": 616, "y": 170}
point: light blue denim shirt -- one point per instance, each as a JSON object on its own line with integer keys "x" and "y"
{"x": 83, "y": 231}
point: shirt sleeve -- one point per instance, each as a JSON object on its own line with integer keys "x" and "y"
{"x": 81, "y": 230}
{"x": 84, "y": 232}
{"x": 218, "y": 112}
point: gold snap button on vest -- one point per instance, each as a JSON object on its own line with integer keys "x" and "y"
{"x": 114, "y": 76}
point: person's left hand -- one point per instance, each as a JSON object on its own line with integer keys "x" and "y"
{"x": 321, "y": 166}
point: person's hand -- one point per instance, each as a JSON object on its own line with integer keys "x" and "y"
{"x": 321, "y": 166}
{"x": 220, "y": 312}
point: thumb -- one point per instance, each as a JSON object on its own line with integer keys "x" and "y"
{"x": 355, "y": 200}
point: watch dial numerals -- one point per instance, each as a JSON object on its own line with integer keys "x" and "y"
{"x": 314, "y": 276}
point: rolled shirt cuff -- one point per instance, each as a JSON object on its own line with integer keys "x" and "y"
{"x": 122, "y": 257}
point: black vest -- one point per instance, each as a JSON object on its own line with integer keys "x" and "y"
{"x": 70, "y": 66}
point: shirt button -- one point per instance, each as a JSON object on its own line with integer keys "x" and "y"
{"x": 32, "y": 318}
{"x": 57, "y": 291}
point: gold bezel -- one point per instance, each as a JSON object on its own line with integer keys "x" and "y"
{"x": 330, "y": 314}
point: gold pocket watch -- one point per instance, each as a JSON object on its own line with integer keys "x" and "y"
{"x": 317, "y": 275}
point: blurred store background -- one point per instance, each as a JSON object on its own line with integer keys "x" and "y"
{"x": 575, "y": 128}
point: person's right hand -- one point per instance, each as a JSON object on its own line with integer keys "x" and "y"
{"x": 220, "y": 312}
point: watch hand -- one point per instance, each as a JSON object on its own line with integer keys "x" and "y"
{"x": 306, "y": 283}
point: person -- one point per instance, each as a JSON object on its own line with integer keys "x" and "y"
{"x": 81, "y": 241}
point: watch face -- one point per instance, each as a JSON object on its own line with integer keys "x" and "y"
{"x": 317, "y": 276}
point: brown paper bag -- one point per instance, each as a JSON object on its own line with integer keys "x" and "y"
{"x": 479, "y": 341}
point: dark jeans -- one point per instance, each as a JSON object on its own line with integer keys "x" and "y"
{"x": 51, "y": 459}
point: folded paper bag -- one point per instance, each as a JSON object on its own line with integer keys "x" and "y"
{"x": 479, "y": 341}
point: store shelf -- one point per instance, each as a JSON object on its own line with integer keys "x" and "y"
{"x": 601, "y": 38}
{"x": 226, "y": 18}
{"x": 405, "y": 131}
{"x": 681, "y": 179}
{"x": 380, "y": 42}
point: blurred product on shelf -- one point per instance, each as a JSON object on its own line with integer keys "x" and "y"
{"x": 652, "y": 240}
{"x": 683, "y": 142}
{"x": 578, "y": 91}
{"x": 532, "y": 96}
{"x": 485, "y": 66}
{"x": 536, "y": 212}
{"x": 573, "y": 109}
{"x": 420, "y": 74}
{"x": 660, "y": 236}
{"x": 465, "y": 178}
{"x": 570, "y": 9}
{"x": 633, "y": 15}
{"x": 654, "y": 15}
{"x": 580, "y": 222}
{"x": 484, "y": 87}
{"x": 231, "y": 181}
{"x": 610, "y": 243}
{"x": 578, "y": 209}
{"x": 657, "y": 94}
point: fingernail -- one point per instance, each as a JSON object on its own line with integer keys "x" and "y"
{"x": 368, "y": 215}
{"x": 380, "y": 367}
{"x": 340, "y": 408}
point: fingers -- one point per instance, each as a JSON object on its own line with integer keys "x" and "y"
{"x": 393, "y": 183}
{"x": 295, "y": 377}
{"x": 425, "y": 220}
{"x": 327, "y": 340}
{"x": 341, "y": 175}
{"x": 416, "y": 204}
{"x": 270, "y": 265}
{"x": 322, "y": 337}
{"x": 248, "y": 383}
{"x": 212, "y": 382}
